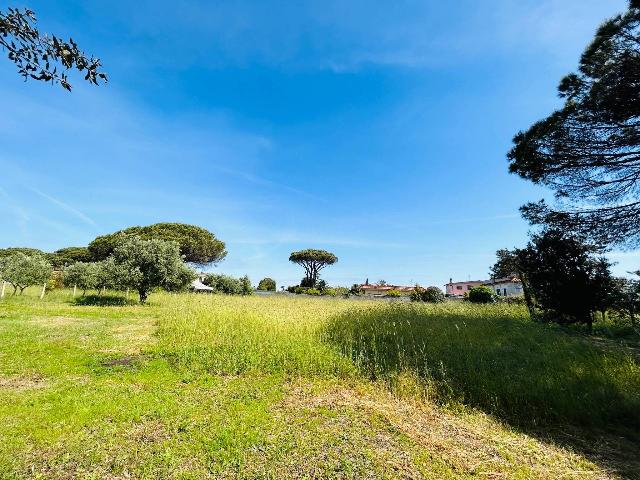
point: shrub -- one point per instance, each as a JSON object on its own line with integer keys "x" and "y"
{"x": 394, "y": 293}
{"x": 356, "y": 290}
{"x": 267, "y": 285}
{"x": 313, "y": 291}
{"x": 481, "y": 294}
{"x": 229, "y": 285}
{"x": 428, "y": 295}
{"x": 307, "y": 282}
{"x": 331, "y": 292}
{"x": 245, "y": 286}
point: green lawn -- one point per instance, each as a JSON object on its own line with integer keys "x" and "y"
{"x": 280, "y": 387}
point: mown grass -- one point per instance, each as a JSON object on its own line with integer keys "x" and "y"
{"x": 277, "y": 387}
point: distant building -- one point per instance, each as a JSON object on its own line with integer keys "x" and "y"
{"x": 504, "y": 287}
{"x": 198, "y": 286}
{"x": 454, "y": 289}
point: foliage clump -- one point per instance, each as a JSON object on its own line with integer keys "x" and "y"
{"x": 428, "y": 295}
{"x": 229, "y": 285}
{"x": 481, "y": 294}
{"x": 147, "y": 264}
{"x": 588, "y": 151}
{"x": 21, "y": 270}
{"x": 197, "y": 245}
{"x": 313, "y": 261}
{"x": 267, "y": 284}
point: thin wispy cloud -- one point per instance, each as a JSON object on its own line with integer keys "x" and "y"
{"x": 64, "y": 206}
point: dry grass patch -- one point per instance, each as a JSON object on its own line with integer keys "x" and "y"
{"x": 413, "y": 440}
{"x": 19, "y": 383}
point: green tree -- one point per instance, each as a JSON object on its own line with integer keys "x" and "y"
{"x": 23, "y": 271}
{"x": 313, "y": 261}
{"x": 267, "y": 284}
{"x": 148, "y": 264}
{"x": 588, "y": 152}
{"x": 5, "y": 252}
{"x": 43, "y": 57}
{"x": 229, "y": 285}
{"x": 245, "y": 286}
{"x": 197, "y": 245}
{"x": 67, "y": 256}
{"x": 481, "y": 294}
{"x": 429, "y": 295}
{"x": 82, "y": 275}
{"x": 627, "y": 300}
{"x": 568, "y": 281}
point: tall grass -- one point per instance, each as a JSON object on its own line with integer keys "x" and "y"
{"x": 493, "y": 357}
{"x": 490, "y": 357}
{"x": 234, "y": 335}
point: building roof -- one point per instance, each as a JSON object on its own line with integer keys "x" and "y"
{"x": 467, "y": 281}
{"x": 495, "y": 281}
{"x": 200, "y": 287}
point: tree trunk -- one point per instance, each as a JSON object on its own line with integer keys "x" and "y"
{"x": 74, "y": 291}
{"x": 528, "y": 299}
{"x": 22, "y": 290}
{"x": 44, "y": 288}
{"x": 15, "y": 289}
{"x": 588, "y": 319}
{"x": 143, "y": 295}
{"x": 4, "y": 286}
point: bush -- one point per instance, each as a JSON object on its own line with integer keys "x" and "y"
{"x": 267, "y": 285}
{"x": 313, "y": 291}
{"x": 307, "y": 282}
{"x": 331, "y": 292}
{"x": 481, "y": 294}
{"x": 229, "y": 285}
{"x": 428, "y": 295}
{"x": 356, "y": 290}
{"x": 394, "y": 293}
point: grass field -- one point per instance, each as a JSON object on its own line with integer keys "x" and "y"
{"x": 280, "y": 387}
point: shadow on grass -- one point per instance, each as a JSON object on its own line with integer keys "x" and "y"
{"x": 537, "y": 378}
{"x": 104, "y": 301}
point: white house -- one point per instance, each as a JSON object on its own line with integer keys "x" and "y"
{"x": 506, "y": 287}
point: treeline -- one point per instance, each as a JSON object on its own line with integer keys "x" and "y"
{"x": 137, "y": 258}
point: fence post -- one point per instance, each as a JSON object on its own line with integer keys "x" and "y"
{"x": 44, "y": 287}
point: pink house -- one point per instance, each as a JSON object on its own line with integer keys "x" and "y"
{"x": 459, "y": 288}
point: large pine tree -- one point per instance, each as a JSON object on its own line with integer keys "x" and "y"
{"x": 588, "y": 152}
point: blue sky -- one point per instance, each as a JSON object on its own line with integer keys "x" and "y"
{"x": 375, "y": 130}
